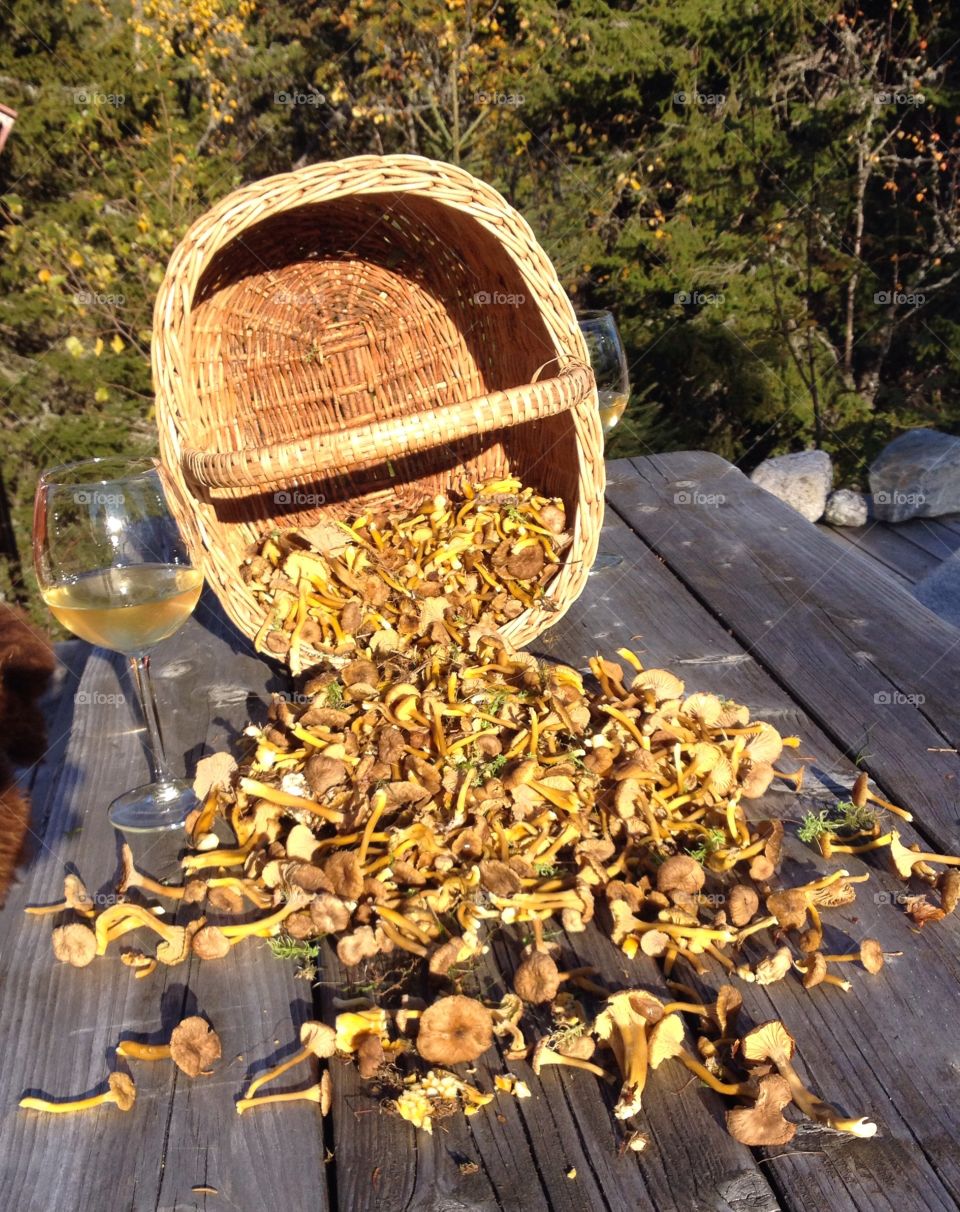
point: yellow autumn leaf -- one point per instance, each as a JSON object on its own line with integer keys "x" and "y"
{"x": 143, "y": 223}
{"x": 98, "y": 347}
{"x": 44, "y": 275}
{"x": 75, "y": 259}
{"x": 117, "y": 344}
{"x": 74, "y": 347}
{"x": 101, "y": 395}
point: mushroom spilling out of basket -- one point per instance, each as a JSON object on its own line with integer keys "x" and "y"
{"x": 408, "y": 804}
{"x": 403, "y": 580}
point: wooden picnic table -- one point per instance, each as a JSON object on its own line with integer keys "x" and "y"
{"x": 703, "y": 573}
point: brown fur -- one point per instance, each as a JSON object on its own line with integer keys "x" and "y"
{"x": 26, "y": 665}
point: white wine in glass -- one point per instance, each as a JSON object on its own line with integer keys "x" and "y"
{"x": 609, "y": 363}
{"x": 113, "y": 569}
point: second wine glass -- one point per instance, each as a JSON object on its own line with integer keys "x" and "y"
{"x": 113, "y": 568}
{"x": 609, "y": 363}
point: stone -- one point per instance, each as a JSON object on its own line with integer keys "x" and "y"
{"x": 917, "y": 475}
{"x": 940, "y": 590}
{"x": 802, "y": 480}
{"x": 846, "y": 508}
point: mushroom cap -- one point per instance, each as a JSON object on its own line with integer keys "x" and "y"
{"x": 225, "y": 900}
{"x": 344, "y": 872}
{"x": 705, "y": 708}
{"x": 454, "y": 1029}
{"x": 580, "y": 1046}
{"x": 537, "y": 979}
{"x": 75, "y": 944}
{"x": 654, "y": 942}
{"x": 194, "y": 1046}
{"x": 773, "y": 968}
{"x": 175, "y": 947}
{"x": 858, "y": 793}
{"x": 123, "y": 1090}
{"x": 768, "y": 1041}
{"x": 729, "y": 1001}
{"x": 871, "y": 955}
{"x": 742, "y": 904}
{"x": 326, "y": 1092}
{"x": 499, "y": 879}
{"x": 903, "y": 859}
{"x": 666, "y": 1040}
{"x": 681, "y": 873}
{"x": 660, "y": 682}
{"x": 352, "y": 948}
{"x": 370, "y": 1055}
{"x": 757, "y": 779}
{"x": 319, "y": 1038}
{"x": 765, "y": 746}
{"x": 789, "y": 907}
{"x": 329, "y": 914}
{"x": 816, "y": 970}
{"x": 75, "y": 893}
{"x": 949, "y": 886}
{"x": 301, "y": 843}
{"x": 210, "y": 943}
{"x": 763, "y": 1124}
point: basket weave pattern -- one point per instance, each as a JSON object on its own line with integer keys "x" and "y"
{"x": 367, "y": 332}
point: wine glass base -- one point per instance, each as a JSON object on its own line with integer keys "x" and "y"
{"x": 153, "y": 807}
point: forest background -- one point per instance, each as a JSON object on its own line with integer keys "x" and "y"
{"x": 765, "y": 192}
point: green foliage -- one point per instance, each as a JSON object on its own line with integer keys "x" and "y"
{"x": 848, "y": 818}
{"x": 723, "y": 176}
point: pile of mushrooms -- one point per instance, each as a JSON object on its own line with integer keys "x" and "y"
{"x": 430, "y": 785}
{"x": 401, "y": 580}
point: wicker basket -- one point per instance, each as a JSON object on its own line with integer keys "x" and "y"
{"x": 367, "y": 331}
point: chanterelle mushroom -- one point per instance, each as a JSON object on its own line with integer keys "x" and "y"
{"x": 773, "y": 1042}
{"x": 622, "y": 1025}
{"x": 120, "y": 1091}
{"x": 194, "y": 1046}
{"x": 454, "y": 1029}
{"x": 75, "y": 944}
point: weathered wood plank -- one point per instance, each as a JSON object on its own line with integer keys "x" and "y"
{"x": 896, "y": 553}
{"x": 938, "y": 537}
{"x": 58, "y": 1025}
{"x": 870, "y": 1050}
{"x": 252, "y": 999}
{"x": 861, "y": 655}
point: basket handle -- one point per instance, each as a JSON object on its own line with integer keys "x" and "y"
{"x": 362, "y": 446}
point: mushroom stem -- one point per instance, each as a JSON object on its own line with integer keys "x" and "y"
{"x": 132, "y": 878}
{"x": 263, "y": 924}
{"x": 59, "y": 907}
{"x": 401, "y": 940}
{"x": 313, "y": 1095}
{"x": 269, "y": 1074}
{"x": 138, "y": 1051}
{"x": 76, "y": 1104}
{"x": 274, "y": 795}
{"x": 876, "y": 843}
{"x": 815, "y": 1108}
{"x": 734, "y": 1089}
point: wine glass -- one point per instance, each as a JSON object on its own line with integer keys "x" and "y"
{"x": 609, "y": 364}
{"x": 113, "y": 569}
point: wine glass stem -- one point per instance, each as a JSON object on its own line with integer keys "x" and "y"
{"x": 157, "y": 758}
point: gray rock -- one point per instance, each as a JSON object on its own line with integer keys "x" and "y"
{"x": 916, "y": 476}
{"x": 846, "y": 508}
{"x": 801, "y": 480}
{"x": 940, "y": 591}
